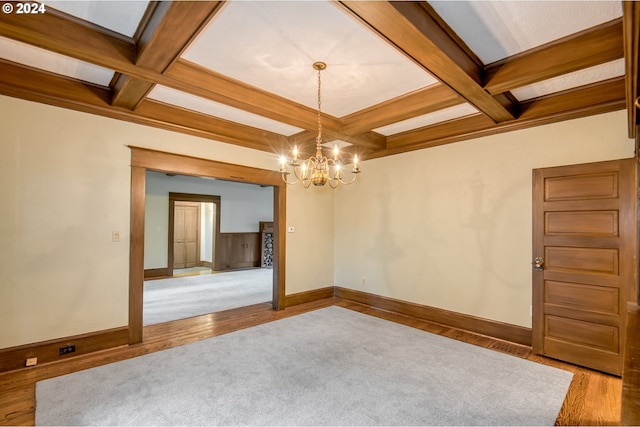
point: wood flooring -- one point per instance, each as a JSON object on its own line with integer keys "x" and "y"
{"x": 593, "y": 397}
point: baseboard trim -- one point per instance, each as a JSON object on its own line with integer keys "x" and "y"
{"x": 49, "y": 351}
{"x": 504, "y": 331}
{"x": 308, "y": 296}
{"x": 156, "y": 272}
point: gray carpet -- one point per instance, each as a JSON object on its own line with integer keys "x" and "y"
{"x": 182, "y": 297}
{"x": 327, "y": 367}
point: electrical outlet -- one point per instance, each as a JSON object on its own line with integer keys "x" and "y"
{"x": 67, "y": 349}
{"x": 31, "y": 361}
{"x": 364, "y": 281}
{"x": 115, "y": 236}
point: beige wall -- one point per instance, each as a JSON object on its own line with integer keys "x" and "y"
{"x": 65, "y": 186}
{"x": 450, "y": 226}
{"x": 455, "y": 220}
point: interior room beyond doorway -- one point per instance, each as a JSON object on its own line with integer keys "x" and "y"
{"x": 203, "y": 246}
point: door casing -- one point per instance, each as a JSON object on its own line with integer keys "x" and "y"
{"x": 143, "y": 159}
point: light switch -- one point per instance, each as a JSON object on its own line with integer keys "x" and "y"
{"x": 115, "y": 236}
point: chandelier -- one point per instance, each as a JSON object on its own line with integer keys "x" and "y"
{"x": 318, "y": 169}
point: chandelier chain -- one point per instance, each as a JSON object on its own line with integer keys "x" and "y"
{"x": 319, "y": 137}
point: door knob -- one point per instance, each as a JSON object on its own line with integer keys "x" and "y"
{"x": 538, "y": 263}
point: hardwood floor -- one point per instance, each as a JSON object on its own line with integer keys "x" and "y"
{"x": 593, "y": 397}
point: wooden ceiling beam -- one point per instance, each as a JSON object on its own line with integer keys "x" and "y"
{"x": 416, "y": 103}
{"x": 203, "y": 82}
{"x": 174, "y": 118}
{"x": 591, "y": 99}
{"x": 62, "y": 33}
{"x": 578, "y": 51}
{"x": 416, "y": 30}
{"x": 588, "y": 100}
{"x": 59, "y": 32}
{"x": 631, "y": 31}
{"x": 40, "y": 86}
{"x": 168, "y": 28}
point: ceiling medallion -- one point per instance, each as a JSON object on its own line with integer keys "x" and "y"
{"x": 318, "y": 169}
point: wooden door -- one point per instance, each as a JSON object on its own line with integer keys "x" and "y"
{"x": 186, "y": 233}
{"x": 584, "y": 241}
{"x": 252, "y": 249}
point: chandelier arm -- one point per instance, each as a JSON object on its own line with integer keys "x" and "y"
{"x": 297, "y": 175}
{"x": 355, "y": 176}
{"x": 286, "y": 180}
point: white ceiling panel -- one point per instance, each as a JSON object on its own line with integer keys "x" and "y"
{"x": 497, "y": 29}
{"x": 120, "y": 16}
{"x": 205, "y": 106}
{"x": 273, "y": 45}
{"x": 439, "y": 116}
{"x": 587, "y": 76}
{"x": 49, "y": 61}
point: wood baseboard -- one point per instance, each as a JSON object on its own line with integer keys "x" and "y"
{"x": 308, "y": 296}
{"x": 504, "y": 331}
{"x": 156, "y": 272}
{"x": 49, "y": 351}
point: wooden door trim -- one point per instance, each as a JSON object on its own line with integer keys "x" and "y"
{"x": 537, "y": 309}
{"x": 143, "y": 159}
{"x": 188, "y": 197}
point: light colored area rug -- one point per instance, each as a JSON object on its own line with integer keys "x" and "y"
{"x": 182, "y": 297}
{"x": 332, "y": 366}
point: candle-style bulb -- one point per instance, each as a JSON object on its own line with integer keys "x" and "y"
{"x": 335, "y": 151}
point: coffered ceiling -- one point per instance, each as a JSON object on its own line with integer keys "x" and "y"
{"x": 400, "y": 76}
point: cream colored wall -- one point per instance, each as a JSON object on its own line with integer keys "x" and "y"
{"x": 310, "y": 246}
{"x": 65, "y": 186}
{"x": 450, "y": 226}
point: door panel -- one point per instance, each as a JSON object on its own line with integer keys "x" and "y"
{"x": 584, "y": 227}
{"x": 581, "y": 296}
{"x": 582, "y": 186}
{"x": 581, "y": 260}
{"x": 601, "y": 223}
{"x": 591, "y": 334}
{"x": 179, "y": 255}
{"x": 186, "y": 234}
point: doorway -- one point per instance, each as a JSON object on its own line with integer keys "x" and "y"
{"x": 145, "y": 159}
{"x": 193, "y": 231}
